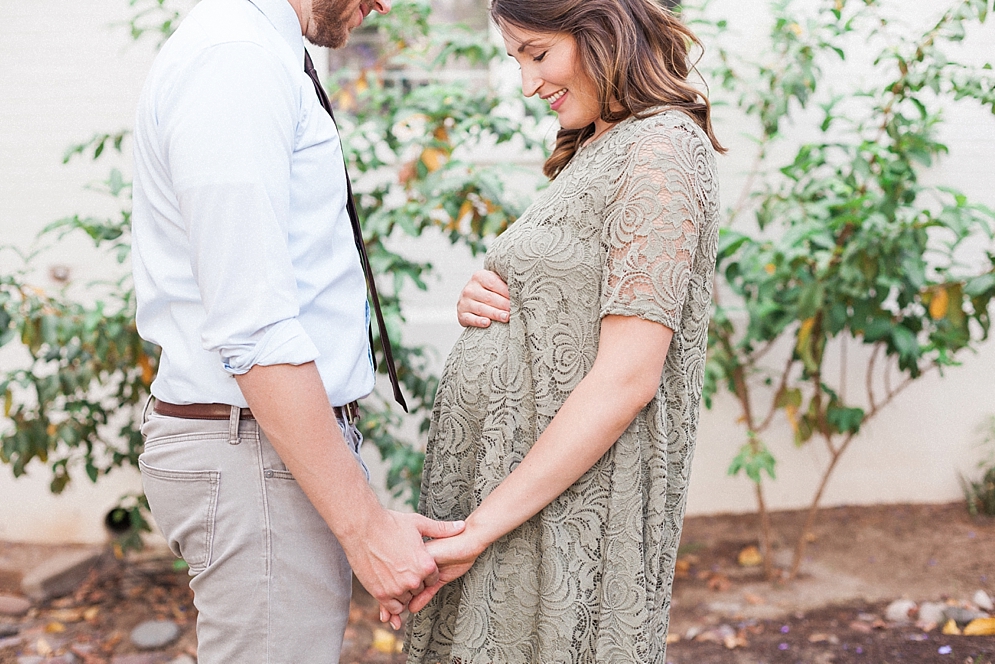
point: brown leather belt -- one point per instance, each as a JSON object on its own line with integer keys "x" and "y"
{"x": 219, "y": 411}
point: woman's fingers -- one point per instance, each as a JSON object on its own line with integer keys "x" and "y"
{"x": 388, "y": 617}
{"x": 485, "y": 298}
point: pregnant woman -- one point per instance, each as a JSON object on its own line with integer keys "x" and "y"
{"x": 564, "y": 436}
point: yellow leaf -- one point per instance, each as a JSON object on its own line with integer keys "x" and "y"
{"x": 146, "y": 366}
{"x": 769, "y": 268}
{"x": 951, "y": 629}
{"x": 51, "y": 430}
{"x": 55, "y": 627}
{"x": 980, "y": 627}
{"x": 433, "y": 158}
{"x": 91, "y": 613}
{"x": 441, "y": 134}
{"x": 345, "y": 99}
{"x": 750, "y": 557}
{"x": 8, "y": 403}
{"x": 939, "y": 304}
{"x": 464, "y": 210}
{"x": 804, "y": 334}
{"x": 792, "y": 413}
{"x": 66, "y": 615}
{"x": 795, "y": 28}
{"x": 384, "y": 641}
{"x": 682, "y": 568}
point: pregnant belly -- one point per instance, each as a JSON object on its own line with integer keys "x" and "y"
{"x": 481, "y": 364}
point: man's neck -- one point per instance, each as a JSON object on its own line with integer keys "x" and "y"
{"x": 303, "y": 10}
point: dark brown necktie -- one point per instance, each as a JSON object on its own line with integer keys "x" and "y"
{"x": 357, "y": 233}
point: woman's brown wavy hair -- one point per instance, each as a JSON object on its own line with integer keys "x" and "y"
{"x": 635, "y": 51}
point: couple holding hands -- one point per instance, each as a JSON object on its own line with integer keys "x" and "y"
{"x": 557, "y": 465}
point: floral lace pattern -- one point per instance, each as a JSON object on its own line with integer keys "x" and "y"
{"x": 630, "y": 227}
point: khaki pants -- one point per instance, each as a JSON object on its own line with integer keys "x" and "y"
{"x": 270, "y": 581}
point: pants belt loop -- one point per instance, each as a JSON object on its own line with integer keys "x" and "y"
{"x": 145, "y": 411}
{"x": 236, "y": 412}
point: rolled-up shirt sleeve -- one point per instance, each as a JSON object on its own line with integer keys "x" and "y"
{"x": 229, "y": 151}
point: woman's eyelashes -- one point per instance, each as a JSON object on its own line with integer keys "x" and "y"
{"x": 540, "y": 57}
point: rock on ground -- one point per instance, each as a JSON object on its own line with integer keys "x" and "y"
{"x": 983, "y": 601}
{"x": 962, "y": 616}
{"x": 12, "y": 605}
{"x": 900, "y": 611}
{"x": 932, "y": 613}
{"x": 155, "y": 634}
{"x": 59, "y": 575}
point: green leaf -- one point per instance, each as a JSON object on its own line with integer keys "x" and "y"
{"x": 905, "y": 342}
{"x": 789, "y": 397}
{"x": 978, "y": 286}
{"x": 753, "y": 459}
{"x": 845, "y": 420}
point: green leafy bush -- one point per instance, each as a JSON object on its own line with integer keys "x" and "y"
{"x": 844, "y": 243}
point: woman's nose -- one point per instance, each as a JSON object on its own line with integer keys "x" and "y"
{"x": 381, "y": 6}
{"x": 530, "y": 81}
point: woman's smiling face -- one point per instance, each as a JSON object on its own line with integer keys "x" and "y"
{"x": 551, "y": 68}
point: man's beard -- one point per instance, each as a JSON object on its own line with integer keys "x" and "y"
{"x": 330, "y": 19}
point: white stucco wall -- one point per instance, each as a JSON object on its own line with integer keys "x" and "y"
{"x": 66, "y": 73}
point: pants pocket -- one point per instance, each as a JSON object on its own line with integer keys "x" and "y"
{"x": 184, "y": 504}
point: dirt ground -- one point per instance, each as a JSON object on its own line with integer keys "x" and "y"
{"x": 859, "y": 560}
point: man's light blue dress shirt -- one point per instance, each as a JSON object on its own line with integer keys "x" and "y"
{"x": 243, "y": 252}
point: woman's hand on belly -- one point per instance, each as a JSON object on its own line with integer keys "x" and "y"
{"x": 485, "y": 298}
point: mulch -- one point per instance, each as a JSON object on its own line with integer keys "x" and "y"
{"x": 94, "y": 622}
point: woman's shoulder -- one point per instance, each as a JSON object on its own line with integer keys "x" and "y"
{"x": 662, "y": 139}
{"x": 667, "y": 127}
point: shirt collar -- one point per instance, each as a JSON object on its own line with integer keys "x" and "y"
{"x": 284, "y": 19}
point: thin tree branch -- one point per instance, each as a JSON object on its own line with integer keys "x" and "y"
{"x": 843, "y": 356}
{"x": 813, "y": 509}
{"x": 780, "y": 388}
{"x": 802, "y": 541}
{"x": 870, "y": 376}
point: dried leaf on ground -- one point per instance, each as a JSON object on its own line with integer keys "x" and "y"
{"x": 980, "y": 627}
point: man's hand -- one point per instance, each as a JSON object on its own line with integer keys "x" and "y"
{"x": 391, "y": 560}
{"x": 454, "y": 556}
{"x": 484, "y": 298}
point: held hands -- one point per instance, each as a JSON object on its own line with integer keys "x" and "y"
{"x": 454, "y": 556}
{"x": 393, "y": 562}
{"x": 485, "y": 298}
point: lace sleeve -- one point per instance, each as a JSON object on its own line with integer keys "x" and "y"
{"x": 651, "y": 227}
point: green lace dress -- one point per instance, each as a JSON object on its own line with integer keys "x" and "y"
{"x": 628, "y": 228}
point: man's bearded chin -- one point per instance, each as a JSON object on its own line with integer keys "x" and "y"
{"x": 329, "y": 21}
